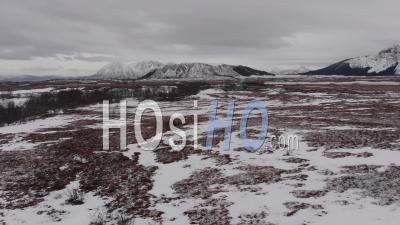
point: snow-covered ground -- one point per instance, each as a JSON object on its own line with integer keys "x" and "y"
{"x": 21, "y": 130}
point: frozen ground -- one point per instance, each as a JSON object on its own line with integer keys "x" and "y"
{"x": 346, "y": 169}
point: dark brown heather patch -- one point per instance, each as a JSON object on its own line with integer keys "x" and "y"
{"x": 254, "y": 175}
{"x": 28, "y": 176}
{"x": 384, "y": 186}
{"x": 295, "y": 160}
{"x": 254, "y": 218}
{"x": 294, "y": 207}
{"x": 212, "y": 212}
{"x": 198, "y": 185}
{"x": 166, "y": 155}
{"x": 308, "y": 193}
{"x": 333, "y": 139}
{"x": 334, "y": 155}
{"x": 298, "y": 177}
{"x": 363, "y": 168}
{"x": 123, "y": 180}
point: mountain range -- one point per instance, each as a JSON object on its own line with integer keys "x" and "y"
{"x": 157, "y": 70}
{"x": 386, "y": 62}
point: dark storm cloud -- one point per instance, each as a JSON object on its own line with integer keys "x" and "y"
{"x": 231, "y": 31}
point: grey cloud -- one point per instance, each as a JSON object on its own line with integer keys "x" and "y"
{"x": 83, "y": 57}
{"x": 254, "y": 32}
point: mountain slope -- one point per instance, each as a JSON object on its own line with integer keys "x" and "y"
{"x": 190, "y": 70}
{"x": 386, "y": 62}
{"x": 203, "y": 71}
{"x": 118, "y": 70}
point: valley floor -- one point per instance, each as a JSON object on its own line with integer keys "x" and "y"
{"x": 345, "y": 170}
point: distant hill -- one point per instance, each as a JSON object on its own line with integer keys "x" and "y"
{"x": 22, "y": 78}
{"x": 289, "y": 71}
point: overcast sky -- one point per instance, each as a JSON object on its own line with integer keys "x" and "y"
{"x": 76, "y": 37}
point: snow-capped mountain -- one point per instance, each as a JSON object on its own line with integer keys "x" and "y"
{"x": 156, "y": 70}
{"x": 203, "y": 71}
{"x": 120, "y": 70}
{"x": 386, "y": 62}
